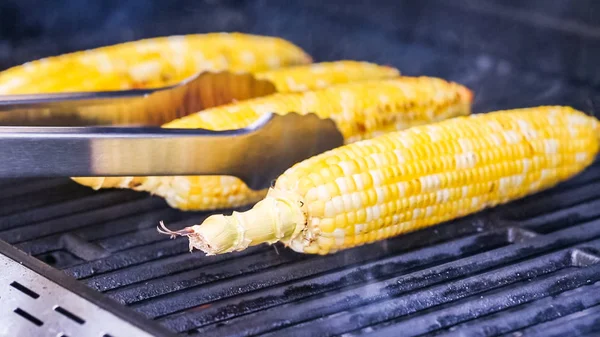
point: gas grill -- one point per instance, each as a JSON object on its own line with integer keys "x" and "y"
{"x": 77, "y": 262}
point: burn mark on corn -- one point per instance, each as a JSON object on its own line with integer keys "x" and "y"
{"x": 135, "y": 183}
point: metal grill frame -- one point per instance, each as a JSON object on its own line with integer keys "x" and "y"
{"x": 41, "y": 289}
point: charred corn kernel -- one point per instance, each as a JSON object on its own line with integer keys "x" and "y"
{"x": 356, "y": 108}
{"x": 321, "y": 75}
{"x": 153, "y": 62}
{"x": 459, "y": 166}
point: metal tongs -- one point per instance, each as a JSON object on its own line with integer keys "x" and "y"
{"x": 118, "y": 134}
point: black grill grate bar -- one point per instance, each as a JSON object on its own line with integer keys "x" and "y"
{"x": 478, "y": 306}
{"x": 76, "y": 221}
{"x": 12, "y": 182}
{"x": 134, "y": 223}
{"x": 166, "y": 269}
{"x": 559, "y": 219}
{"x": 344, "y": 276}
{"x": 522, "y": 316}
{"x": 133, "y": 256}
{"x": 386, "y": 304}
{"x": 585, "y": 322}
{"x": 213, "y": 280}
{"x": 585, "y": 256}
{"x": 67, "y": 208}
{"x": 143, "y": 237}
{"x": 52, "y": 196}
{"x": 146, "y": 235}
{"x": 416, "y": 281}
{"x": 108, "y": 230}
{"x": 129, "y": 258}
{"x": 7, "y": 193}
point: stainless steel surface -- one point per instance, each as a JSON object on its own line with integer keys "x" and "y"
{"x": 131, "y": 107}
{"x": 257, "y": 154}
{"x": 32, "y": 305}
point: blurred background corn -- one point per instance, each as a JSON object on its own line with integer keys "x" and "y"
{"x": 150, "y": 63}
{"x": 407, "y": 180}
{"x": 361, "y": 110}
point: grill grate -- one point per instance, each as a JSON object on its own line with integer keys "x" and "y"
{"x": 504, "y": 270}
{"x": 528, "y": 268}
{"x": 497, "y": 272}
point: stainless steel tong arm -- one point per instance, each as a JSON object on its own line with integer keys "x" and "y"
{"x": 148, "y": 107}
{"x": 257, "y": 154}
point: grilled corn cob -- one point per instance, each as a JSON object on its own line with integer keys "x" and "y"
{"x": 149, "y": 63}
{"x": 321, "y": 75}
{"x": 407, "y": 180}
{"x": 361, "y": 110}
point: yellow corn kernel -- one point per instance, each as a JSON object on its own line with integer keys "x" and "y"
{"x": 321, "y": 75}
{"x": 491, "y": 160}
{"x": 150, "y": 63}
{"x": 356, "y": 108}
